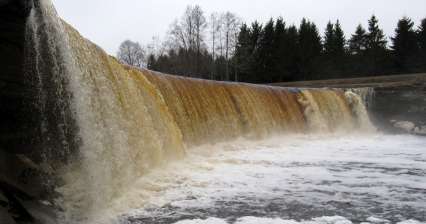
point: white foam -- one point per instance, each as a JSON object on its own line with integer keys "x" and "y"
{"x": 411, "y": 221}
{"x": 200, "y": 221}
{"x": 307, "y": 169}
{"x": 319, "y": 220}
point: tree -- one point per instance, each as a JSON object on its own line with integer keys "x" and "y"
{"x": 292, "y": 53}
{"x": 264, "y": 54}
{"x": 357, "y": 53}
{"x": 376, "y": 48}
{"x": 156, "y": 47}
{"x": 310, "y": 49}
{"x": 197, "y": 15}
{"x": 131, "y": 53}
{"x": 230, "y": 26}
{"x": 152, "y": 62}
{"x": 328, "y": 39}
{"x": 255, "y": 35}
{"x": 275, "y": 52}
{"x": 188, "y": 34}
{"x": 404, "y": 45}
{"x": 421, "y": 40}
{"x": 339, "y": 40}
{"x": 279, "y": 52}
{"x": 375, "y": 38}
{"x": 215, "y": 26}
{"x": 334, "y": 50}
{"x": 358, "y": 41}
{"x": 243, "y": 52}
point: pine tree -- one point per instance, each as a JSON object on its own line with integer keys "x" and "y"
{"x": 358, "y": 41}
{"x": 404, "y": 46}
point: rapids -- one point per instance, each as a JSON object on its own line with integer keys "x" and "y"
{"x": 310, "y": 179}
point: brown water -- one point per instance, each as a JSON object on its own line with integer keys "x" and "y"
{"x": 130, "y": 121}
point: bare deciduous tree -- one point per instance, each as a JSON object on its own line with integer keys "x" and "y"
{"x": 132, "y": 53}
{"x": 188, "y": 34}
{"x": 215, "y": 26}
{"x": 230, "y": 28}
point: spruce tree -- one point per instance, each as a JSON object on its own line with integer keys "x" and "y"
{"x": 334, "y": 40}
{"x": 404, "y": 45}
{"x": 334, "y": 51}
{"x": 279, "y": 51}
{"x": 243, "y": 52}
{"x": 255, "y": 35}
{"x": 292, "y": 54}
{"x": 358, "y": 41}
{"x": 375, "y": 38}
{"x": 376, "y": 49}
{"x": 255, "y": 32}
{"x": 310, "y": 49}
{"x": 339, "y": 40}
{"x": 329, "y": 39}
{"x": 264, "y": 56}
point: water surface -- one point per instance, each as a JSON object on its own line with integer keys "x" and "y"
{"x": 307, "y": 179}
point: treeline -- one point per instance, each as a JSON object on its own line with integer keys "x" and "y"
{"x": 224, "y": 48}
{"x": 279, "y": 53}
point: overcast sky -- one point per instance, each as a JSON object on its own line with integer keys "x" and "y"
{"x": 109, "y": 22}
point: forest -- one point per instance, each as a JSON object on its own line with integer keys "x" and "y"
{"x": 223, "y": 47}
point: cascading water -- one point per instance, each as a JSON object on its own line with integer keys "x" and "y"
{"x": 358, "y": 102}
{"x": 113, "y": 123}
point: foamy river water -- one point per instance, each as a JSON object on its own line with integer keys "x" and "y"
{"x": 293, "y": 179}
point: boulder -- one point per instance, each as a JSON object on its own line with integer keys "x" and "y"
{"x": 405, "y": 126}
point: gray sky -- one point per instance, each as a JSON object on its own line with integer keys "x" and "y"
{"x": 109, "y": 22}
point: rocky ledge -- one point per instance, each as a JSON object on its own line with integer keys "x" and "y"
{"x": 398, "y": 103}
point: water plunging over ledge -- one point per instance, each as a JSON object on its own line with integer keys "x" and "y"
{"x": 106, "y": 127}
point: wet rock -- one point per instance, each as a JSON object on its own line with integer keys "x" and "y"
{"x": 5, "y": 217}
{"x": 396, "y": 97}
{"x": 409, "y": 127}
{"x": 420, "y": 130}
{"x": 405, "y": 126}
{"x": 22, "y": 184}
{"x": 16, "y": 95}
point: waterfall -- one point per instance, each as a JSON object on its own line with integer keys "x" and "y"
{"x": 108, "y": 124}
{"x": 358, "y": 99}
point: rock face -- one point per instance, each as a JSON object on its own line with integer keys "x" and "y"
{"x": 397, "y": 101}
{"x": 16, "y": 94}
{"x": 400, "y": 108}
{"x": 20, "y": 177}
